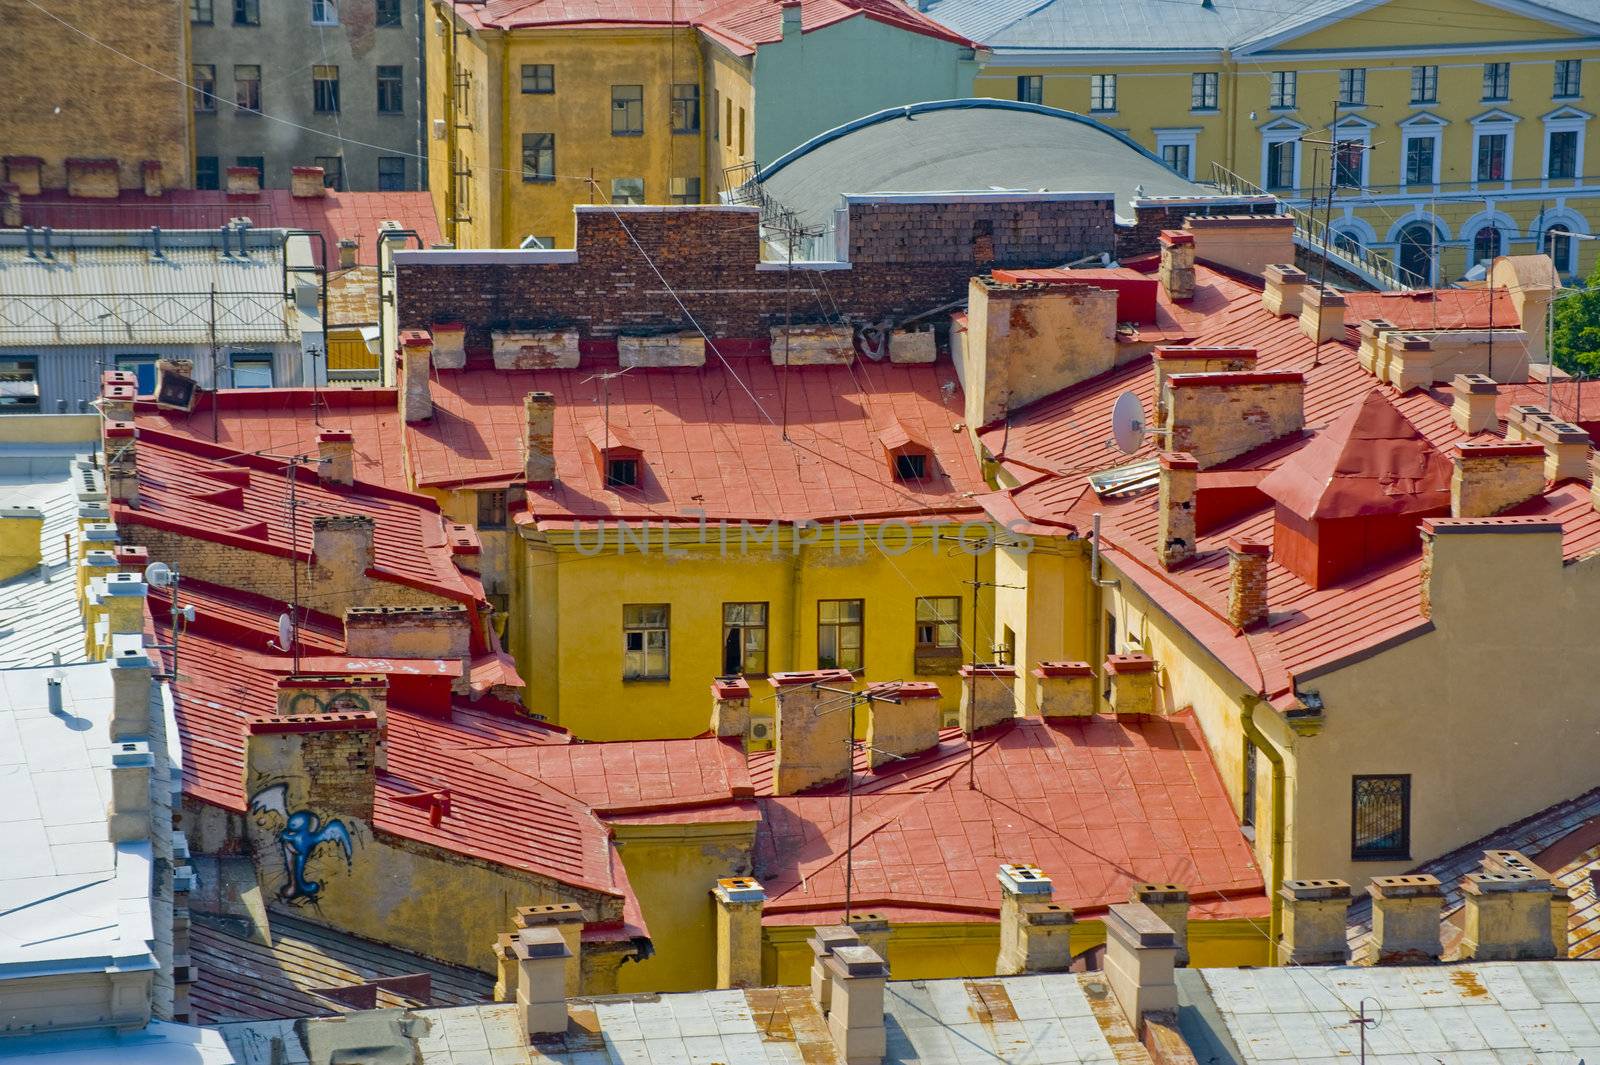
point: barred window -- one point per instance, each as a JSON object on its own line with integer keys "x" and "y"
{"x": 492, "y": 509}
{"x": 1380, "y": 809}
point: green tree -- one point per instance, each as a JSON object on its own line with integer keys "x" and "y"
{"x": 1576, "y": 338}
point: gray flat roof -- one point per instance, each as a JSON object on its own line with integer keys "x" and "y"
{"x": 40, "y": 623}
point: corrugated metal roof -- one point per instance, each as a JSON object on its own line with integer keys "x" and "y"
{"x": 39, "y": 619}
{"x": 113, "y": 287}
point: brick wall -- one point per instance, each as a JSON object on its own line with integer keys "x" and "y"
{"x": 906, "y": 260}
{"x": 1140, "y": 238}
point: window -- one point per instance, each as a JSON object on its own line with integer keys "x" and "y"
{"x": 622, "y": 473}
{"x": 207, "y": 173}
{"x": 200, "y": 12}
{"x": 1347, "y": 159}
{"x": 1247, "y": 799}
{"x": 1425, "y": 85}
{"x": 1569, "y": 78}
{"x": 1496, "y": 81}
{"x": 391, "y": 90}
{"x": 19, "y": 384}
{"x": 1563, "y": 152}
{"x": 938, "y": 635}
{"x": 729, "y": 123}
{"x": 1102, "y": 92}
{"x": 1418, "y": 253}
{"x": 686, "y": 108}
{"x": 538, "y": 78}
{"x": 252, "y": 369}
{"x": 1353, "y": 86}
{"x": 204, "y": 78}
{"x": 247, "y": 12}
{"x": 258, "y": 163}
{"x": 645, "y": 627}
{"x": 325, "y": 89}
{"x": 627, "y": 190}
{"x": 391, "y": 173}
{"x": 492, "y": 509}
{"x": 1557, "y": 244}
{"x": 247, "y": 87}
{"x": 1284, "y": 83}
{"x": 1419, "y": 160}
{"x": 1347, "y": 241}
{"x": 1203, "y": 91}
{"x": 143, "y": 368}
{"x": 716, "y": 113}
{"x": 1030, "y": 88}
{"x": 1280, "y": 165}
{"x": 741, "y": 133}
{"x": 1486, "y": 245}
{"x": 685, "y": 190}
{"x": 332, "y": 171}
{"x": 538, "y": 157}
{"x": 542, "y": 243}
{"x": 839, "y": 632}
{"x": 1178, "y": 158}
{"x": 744, "y": 639}
{"x": 1491, "y": 157}
{"x": 388, "y": 12}
{"x": 627, "y": 110}
{"x": 1380, "y": 810}
{"x": 324, "y": 13}
{"x": 912, "y": 467}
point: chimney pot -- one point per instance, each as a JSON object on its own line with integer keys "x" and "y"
{"x": 1170, "y": 903}
{"x": 900, "y": 730}
{"x": 988, "y": 696}
{"x": 739, "y": 901}
{"x": 855, "y": 1016}
{"x": 827, "y": 939}
{"x": 336, "y": 453}
{"x": 243, "y": 181}
{"x": 1314, "y": 917}
{"x": 128, "y": 814}
{"x": 307, "y": 182}
{"x": 1177, "y": 264}
{"x": 1490, "y": 477}
{"x": 1507, "y": 917}
{"x": 1372, "y": 354}
{"x": 416, "y": 397}
{"x": 1247, "y": 582}
{"x": 130, "y": 687}
{"x": 1285, "y": 285}
{"x": 539, "y": 416}
{"x": 1179, "y": 478}
{"x": 349, "y": 252}
{"x": 567, "y": 918}
{"x": 730, "y": 707}
{"x": 1141, "y": 951}
{"x": 1133, "y": 684}
{"x": 1064, "y": 689}
{"x": 1321, "y": 314}
{"x": 1473, "y": 404}
{"x": 1405, "y": 919}
{"x": 813, "y": 744}
{"x": 541, "y": 980}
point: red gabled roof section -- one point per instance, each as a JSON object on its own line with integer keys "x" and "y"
{"x": 743, "y": 25}
{"x": 1370, "y": 460}
{"x": 1098, "y": 803}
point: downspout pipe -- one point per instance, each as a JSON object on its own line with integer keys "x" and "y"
{"x": 1247, "y": 719}
{"x": 1094, "y": 559}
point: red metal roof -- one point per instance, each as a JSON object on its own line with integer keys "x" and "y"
{"x": 513, "y": 14}
{"x": 707, "y": 444}
{"x": 1425, "y": 309}
{"x": 1098, "y": 804}
{"x": 338, "y": 215}
{"x": 742, "y": 25}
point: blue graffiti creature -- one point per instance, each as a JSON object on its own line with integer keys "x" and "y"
{"x": 302, "y": 833}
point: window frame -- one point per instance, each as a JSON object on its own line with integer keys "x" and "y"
{"x": 391, "y": 159}
{"x": 542, "y": 78}
{"x": 16, "y": 364}
{"x": 329, "y": 12}
{"x": 1030, "y": 89}
{"x": 765, "y": 628}
{"x": 1204, "y": 85}
{"x": 690, "y": 122}
{"x": 1425, "y": 83}
{"x": 1290, "y": 143}
{"x": 931, "y": 658}
{"x": 1353, "y": 87}
{"x": 617, "y": 183}
{"x": 388, "y": 13}
{"x": 237, "y": 359}
{"x": 390, "y": 79}
{"x": 196, "y": 7}
{"x": 247, "y": 12}
{"x": 1102, "y": 94}
{"x": 1564, "y": 120}
{"x": 1433, "y": 139}
{"x": 214, "y": 171}
{"x": 912, "y": 467}
{"x": 492, "y": 502}
{"x": 1566, "y": 262}
{"x": 1474, "y": 258}
{"x": 617, "y": 463}
{"x": 332, "y": 171}
{"x": 838, "y": 627}
{"x": 1496, "y": 82}
{"x": 239, "y": 85}
{"x": 644, "y": 629}
{"x": 1484, "y": 142}
{"x": 687, "y": 196}
{"x": 1178, "y": 138}
{"x": 322, "y": 96}
{"x": 1400, "y": 852}
{"x": 203, "y": 87}
{"x": 545, "y": 153}
{"x": 1283, "y": 90}
{"x": 1560, "y": 81}
{"x": 1576, "y": 143}
{"x": 630, "y": 108}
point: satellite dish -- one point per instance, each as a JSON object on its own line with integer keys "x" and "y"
{"x": 1127, "y": 423}
{"x": 285, "y": 631}
{"x": 158, "y": 575}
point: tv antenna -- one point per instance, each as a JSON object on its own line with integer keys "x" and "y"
{"x": 161, "y": 575}
{"x": 1129, "y": 426}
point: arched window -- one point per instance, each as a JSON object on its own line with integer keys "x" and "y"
{"x": 1487, "y": 244}
{"x": 1347, "y": 241}
{"x": 1558, "y": 244}
{"x": 1419, "y": 244}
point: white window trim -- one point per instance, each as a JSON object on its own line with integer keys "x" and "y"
{"x": 1358, "y": 130}
{"x": 1277, "y": 132}
{"x": 1185, "y": 136}
{"x": 1564, "y": 120}
{"x": 1423, "y": 125}
{"x": 1489, "y": 124}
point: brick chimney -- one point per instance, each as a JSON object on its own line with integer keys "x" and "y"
{"x": 739, "y": 901}
{"x": 1507, "y": 917}
{"x": 1216, "y": 416}
{"x": 567, "y": 919}
{"x": 1314, "y": 916}
{"x": 117, "y": 397}
{"x": 1370, "y": 353}
{"x": 542, "y": 956}
{"x": 1064, "y": 689}
{"x": 988, "y": 696}
{"x": 128, "y": 813}
{"x": 449, "y": 345}
{"x": 342, "y": 543}
{"x": 1405, "y": 919}
{"x": 873, "y": 928}
{"x": 306, "y": 182}
{"x": 408, "y": 632}
{"x": 1247, "y": 581}
{"x": 349, "y": 253}
{"x": 1177, "y": 264}
{"x": 905, "y": 728}
{"x": 336, "y": 456}
{"x": 1133, "y": 684}
{"x": 1490, "y": 477}
{"x": 416, "y": 357}
{"x": 1321, "y": 314}
{"x": 823, "y": 943}
{"x": 1170, "y": 903}
{"x": 130, "y": 688}
{"x": 1511, "y": 861}
{"x": 26, "y": 172}
{"x": 94, "y": 179}
{"x": 120, "y": 444}
{"x": 301, "y": 694}
{"x": 1140, "y": 954}
{"x": 688, "y": 348}
{"x": 1408, "y": 360}
{"x": 535, "y": 349}
{"x": 1566, "y": 451}
{"x": 329, "y": 762}
{"x": 1285, "y": 287}
{"x": 539, "y": 423}
{"x": 1175, "y": 537}
{"x": 1169, "y": 359}
{"x": 243, "y": 181}
{"x": 1248, "y": 243}
{"x": 855, "y": 1012}
{"x": 1035, "y": 931}
{"x": 730, "y": 708}
{"x": 813, "y": 730}
{"x": 1473, "y": 405}
{"x": 1455, "y": 550}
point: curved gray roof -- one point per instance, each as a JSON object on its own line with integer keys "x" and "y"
{"x": 974, "y": 145}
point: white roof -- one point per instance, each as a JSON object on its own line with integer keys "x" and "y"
{"x": 40, "y": 623}
{"x": 158, "y": 1043}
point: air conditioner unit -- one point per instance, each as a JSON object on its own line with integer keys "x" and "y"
{"x": 438, "y": 129}
{"x": 760, "y": 730}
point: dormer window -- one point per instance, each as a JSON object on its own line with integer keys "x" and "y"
{"x": 911, "y": 466}
{"x": 622, "y": 473}
{"x": 620, "y": 461}
{"x": 910, "y": 457}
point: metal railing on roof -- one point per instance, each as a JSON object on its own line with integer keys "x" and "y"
{"x": 89, "y": 318}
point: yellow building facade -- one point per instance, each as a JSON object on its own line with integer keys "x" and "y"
{"x": 1469, "y": 125}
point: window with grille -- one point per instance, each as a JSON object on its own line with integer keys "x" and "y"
{"x": 1569, "y": 78}
{"x": 1425, "y": 85}
{"x": 1419, "y": 160}
{"x": 1496, "y": 81}
{"x": 538, "y": 157}
{"x": 1030, "y": 88}
{"x": 1102, "y": 92}
{"x": 938, "y": 635}
{"x": 1563, "y": 154}
{"x": 247, "y": 87}
{"x": 1380, "y": 809}
{"x": 744, "y": 639}
{"x": 1203, "y": 91}
{"x": 204, "y": 77}
{"x": 686, "y": 190}
{"x": 1353, "y": 86}
{"x": 492, "y": 509}
{"x": 391, "y": 90}
{"x": 388, "y": 12}
{"x": 1491, "y": 157}
{"x": 325, "y": 89}
{"x": 247, "y": 12}
{"x": 912, "y": 466}
{"x": 840, "y": 628}
{"x": 201, "y": 12}
{"x": 627, "y": 110}
{"x": 686, "y": 108}
{"x": 1285, "y": 84}
{"x": 646, "y": 628}
{"x": 538, "y": 79}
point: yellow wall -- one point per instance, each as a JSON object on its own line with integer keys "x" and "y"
{"x": 347, "y": 351}
{"x": 729, "y": 87}
{"x": 574, "y": 668}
